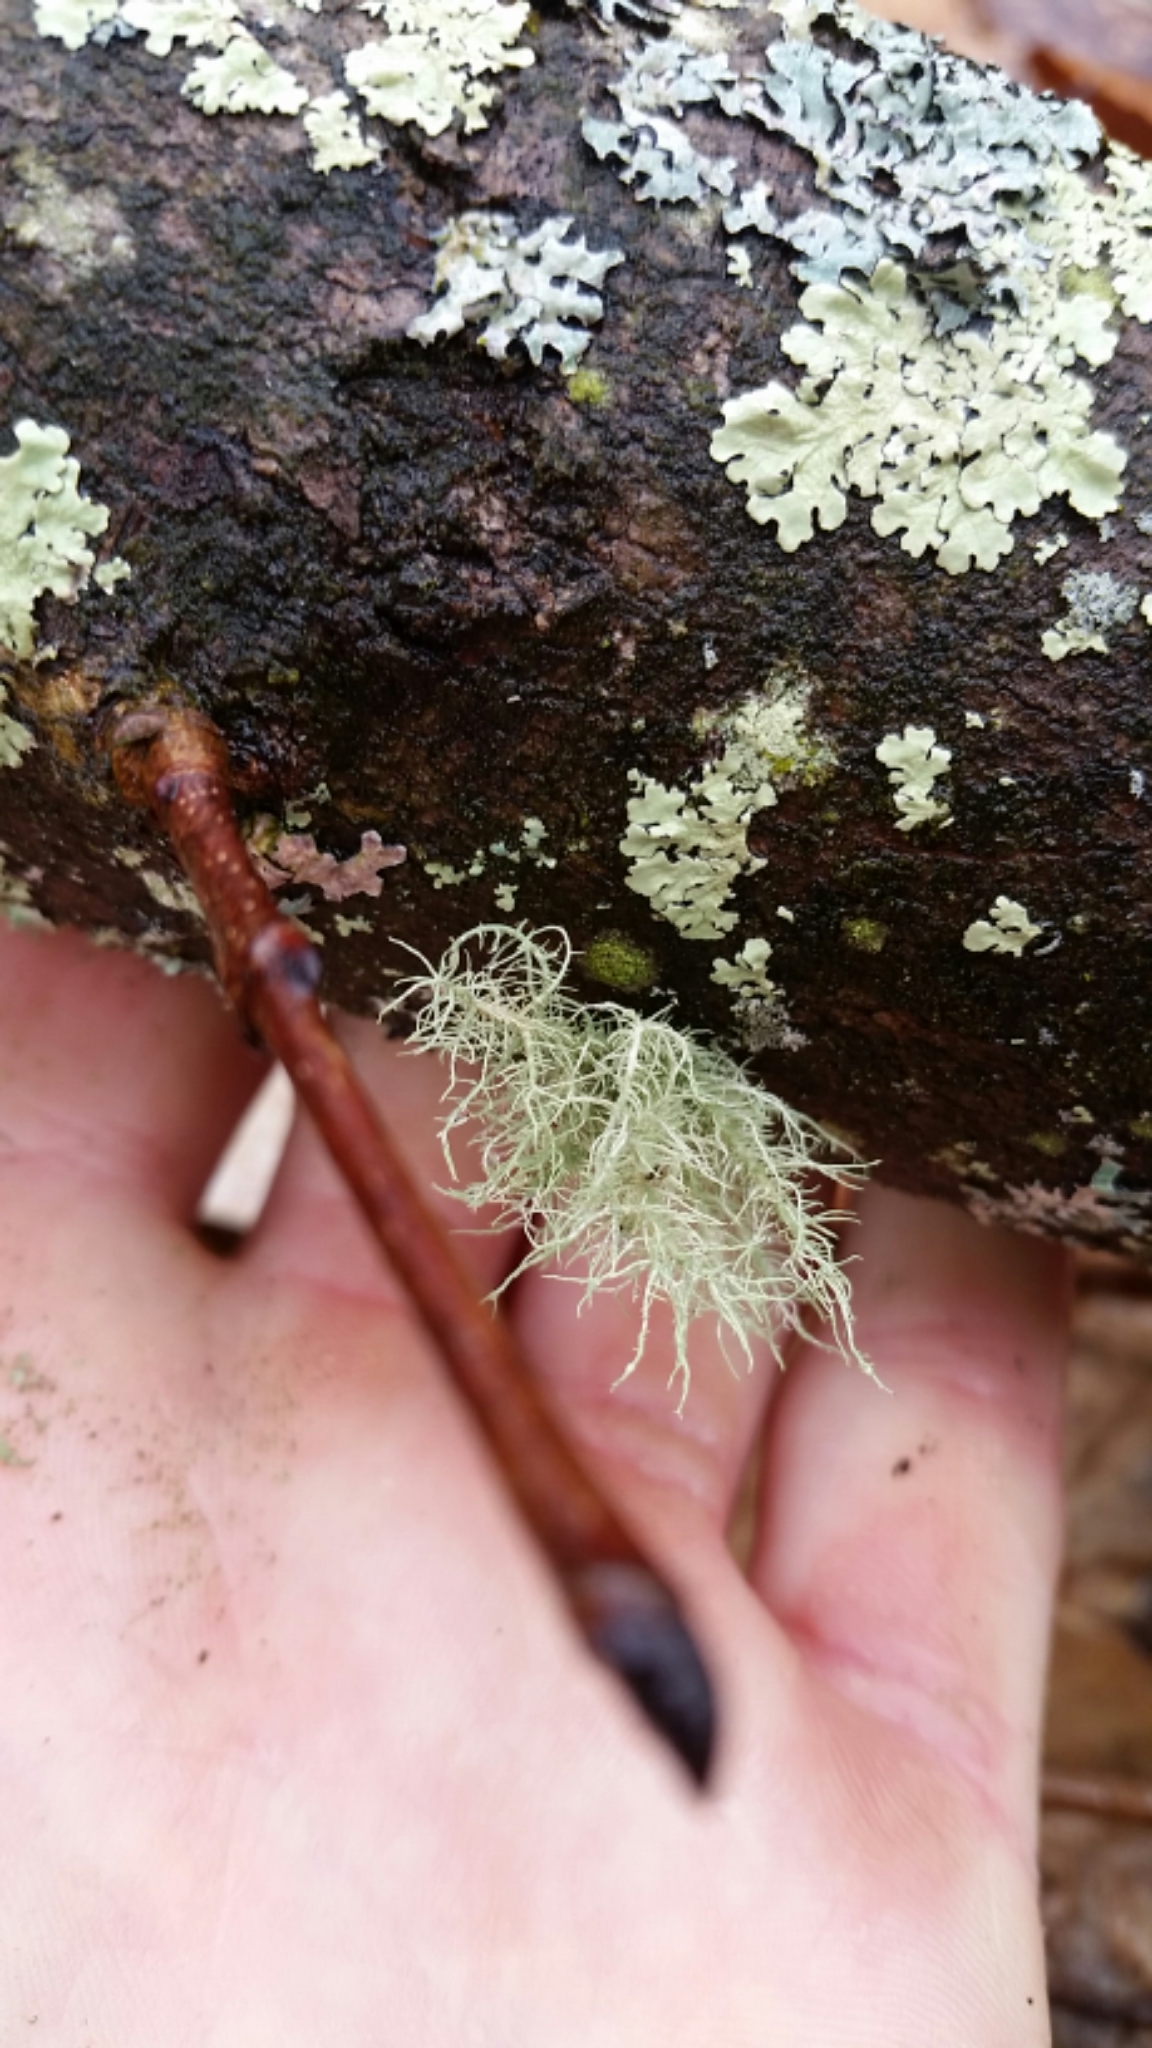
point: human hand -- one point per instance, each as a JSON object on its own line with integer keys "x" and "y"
{"x": 297, "y": 1744}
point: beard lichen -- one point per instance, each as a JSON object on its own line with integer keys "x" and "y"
{"x": 629, "y": 1152}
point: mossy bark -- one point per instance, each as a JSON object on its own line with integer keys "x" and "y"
{"x": 452, "y": 595}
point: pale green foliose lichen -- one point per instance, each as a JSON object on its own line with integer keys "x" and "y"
{"x": 530, "y": 848}
{"x": 758, "y": 1007}
{"x": 337, "y": 138}
{"x": 438, "y": 61}
{"x": 959, "y": 269}
{"x": 71, "y": 22}
{"x": 1096, "y": 603}
{"x": 915, "y": 763}
{"x": 539, "y": 289}
{"x": 954, "y": 434}
{"x": 1007, "y": 929}
{"x": 15, "y": 738}
{"x": 686, "y": 848}
{"x": 628, "y": 1152}
{"x": 243, "y": 79}
{"x": 45, "y": 528}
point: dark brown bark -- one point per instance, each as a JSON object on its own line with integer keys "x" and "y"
{"x": 456, "y": 598}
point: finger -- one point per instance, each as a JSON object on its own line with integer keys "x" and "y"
{"x": 311, "y": 1230}
{"x": 677, "y": 1459}
{"x": 910, "y": 1541}
{"x": 115, "y": 1068}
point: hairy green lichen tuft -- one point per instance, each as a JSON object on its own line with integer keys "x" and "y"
{"x": 630, "y": 1153}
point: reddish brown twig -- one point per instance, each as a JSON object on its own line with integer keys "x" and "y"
{"x": 171, "y": 759}
{"x": 1113, "y": 1798}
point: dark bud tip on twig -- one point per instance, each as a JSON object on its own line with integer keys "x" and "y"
{"x": 633, "y": 1625}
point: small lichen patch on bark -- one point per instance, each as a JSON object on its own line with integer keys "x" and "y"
{"x": 45, "y": 527}
{"x": 84, "y": 232}
{"x": 915, "y": 763}
{"x": 1096, "y": 603}
{"x": 15, "y": 738}
{"x": 686, "y": 848}
{"x": 540, "y": 289}
{"x": 1007, "y": 929}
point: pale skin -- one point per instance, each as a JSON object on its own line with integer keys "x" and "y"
{"x": 297, "y": 1746}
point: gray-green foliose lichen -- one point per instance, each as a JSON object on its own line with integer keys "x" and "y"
{"x": 539, "y": 288}
{"x": 1096, "y": 603}
{"x": 962, "y": 268}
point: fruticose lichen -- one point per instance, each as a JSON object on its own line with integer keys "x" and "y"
{"x": 1007, "y": 929}
{"x": 629, "y": 1150}
{"x": 686, "y": 848}
{"x": 540, "y": 289}
{"x": 915, "y": 763}
{"x": 45, "y": 527}
{"x": 1096, "y": 602}
{"x": 438, "y": 61}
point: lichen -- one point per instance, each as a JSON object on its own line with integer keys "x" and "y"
{"x": 616, "y": 960}
{"x": 628, "y": 1150}
{"x": 758, "y": 1010}
{"x": 243, "y": 78}
{"x": 15, "y": 738}
{"x": 539, "y": 289}
{"x": 589, "y": 387}
{"x": 1096, "y": 602}
{"x": 659, "y": 160}
{"x": 866, "y": 934}
{"x": 71, "y": 22}
{"x": 686, "y": 848}
{"x": 338, "y": 141}
{"x": 959, "y": 266}
{"x": 1007, "y": 929}
{"x": 295, "y": 857}
{"x": 530, "y": 848}
{"x": 45, "y": 527}
{"x": 16, "y": 905}
{"x": 83, "y": 231}
{"x": 438, "y": 60}
{"x": 1088, "y": 1213}
{"x": 954, "y": 435}
{"x": 915, "y": 763}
